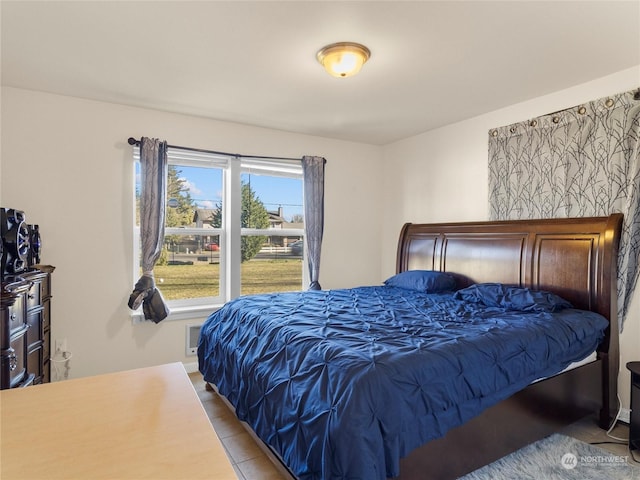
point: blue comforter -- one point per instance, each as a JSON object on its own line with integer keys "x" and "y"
{"x": 343, "y": 383}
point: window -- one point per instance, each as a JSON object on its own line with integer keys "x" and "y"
{"x": 234, "y": 226}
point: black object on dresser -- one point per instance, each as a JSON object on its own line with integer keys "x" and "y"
{"x": 15, "y": 241}
{"x": 634, "y": 417}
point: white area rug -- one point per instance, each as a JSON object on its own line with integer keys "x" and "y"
{"x": 558, "y": 457}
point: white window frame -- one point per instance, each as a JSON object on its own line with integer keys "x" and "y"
{"x": 231, "y": 231}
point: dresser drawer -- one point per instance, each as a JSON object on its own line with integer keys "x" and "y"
{"x": 34, "y": 363}
{"x": 17, "y": 360}
{"x": 34, "y": 295}
{"x": 16, "y": 314}
{"x": 35, "y": 332}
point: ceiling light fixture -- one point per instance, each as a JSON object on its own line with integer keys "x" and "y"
{"x": 343, "y": 59}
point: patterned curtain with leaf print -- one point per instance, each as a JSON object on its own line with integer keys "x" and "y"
{"x": 313, "y": 173}
{"x": 580, "y": 162}
{"x": 153, "y": 169}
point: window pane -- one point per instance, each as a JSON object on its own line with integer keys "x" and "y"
{"x": 194, "y": 196}
{"x": 272, "y": 269}
{"x": 189, "y": 267}
{"x": 280, "y": 197}
{"x": 271, "y": 203}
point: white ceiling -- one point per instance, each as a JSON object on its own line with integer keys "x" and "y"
{"x": 432, "y": 64}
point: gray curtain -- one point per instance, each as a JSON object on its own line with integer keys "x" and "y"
{"x": 583, "y": 161}
{"x": 313, "y": 173}
{"x": 154, "y": 169}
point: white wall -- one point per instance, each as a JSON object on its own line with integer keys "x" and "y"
{"x": 66, "y": 163}
{"x": 442, "y": 175}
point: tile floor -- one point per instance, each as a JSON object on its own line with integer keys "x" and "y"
{"x": 251, "y": 462}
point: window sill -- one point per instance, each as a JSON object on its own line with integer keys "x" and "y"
{"x": 179, "y": 313}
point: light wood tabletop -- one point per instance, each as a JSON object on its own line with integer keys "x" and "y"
{"x": 139, "y": 424}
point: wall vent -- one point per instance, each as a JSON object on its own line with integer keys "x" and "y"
{"x": 193, "y": 334}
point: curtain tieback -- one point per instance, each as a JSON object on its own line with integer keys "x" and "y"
{"x": 142, "y": 289}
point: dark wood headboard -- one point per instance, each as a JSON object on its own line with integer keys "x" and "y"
{"x": 573, "y": 257}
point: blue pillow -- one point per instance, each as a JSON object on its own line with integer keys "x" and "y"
{"x": 428, "y": 281}
{"x": 512, "y": 298}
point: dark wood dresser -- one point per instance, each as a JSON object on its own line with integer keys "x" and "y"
{"x": 25, "y": 328}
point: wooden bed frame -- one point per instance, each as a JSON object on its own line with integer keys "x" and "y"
{"x": 574, "y": 258}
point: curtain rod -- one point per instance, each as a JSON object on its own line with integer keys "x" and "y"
{"x": 133, "y": 141}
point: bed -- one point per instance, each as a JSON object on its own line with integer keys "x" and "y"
{"x": 382, "y": 406}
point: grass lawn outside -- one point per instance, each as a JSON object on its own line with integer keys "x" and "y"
{"x": 202, "y": 279}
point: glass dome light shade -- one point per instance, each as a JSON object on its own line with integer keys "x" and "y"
{"x": 343, "y": 59}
